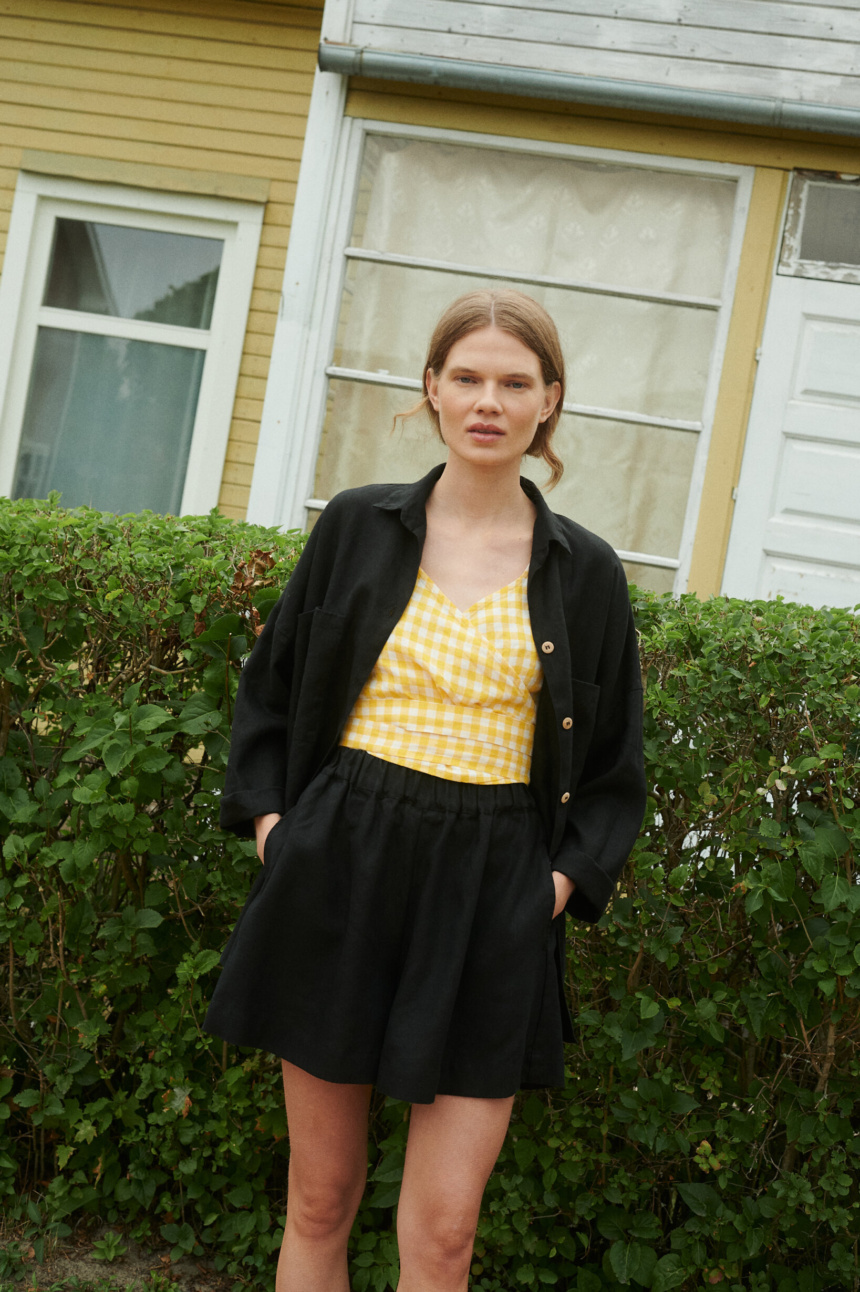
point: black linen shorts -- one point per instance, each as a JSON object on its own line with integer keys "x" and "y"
{"x": 400, "y": 934}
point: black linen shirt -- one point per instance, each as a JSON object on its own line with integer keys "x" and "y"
{"x": 346, "y": 595}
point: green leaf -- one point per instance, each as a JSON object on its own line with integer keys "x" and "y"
{"x": 702, "y": 1199}
{"x": 265, "y": 602}
{"x": 196, "y": 706}
{"x": 152, "y": 759}
{"x": 634, "y": 1040}
{"x": 222, "y": 628}
{"x": 14, "y": 846}
{"x": 146, "y": 918}
{"x": 241, "y": 1196}
{"x": 669, "y": 1272}
{"x": 833, "y": 892}
{"x": 385, "y": 1196}
{"x": 756, "y": 1004}
{"x": 812, "y": 860}
{"x": 149, "y": 717}
{"x": 612, "y": 1223}
{"x": 117, "y": 755}
{"x": 525, "y": 1151}
{"x": 631, "y": 1262}
{"x": 204, "y": 961}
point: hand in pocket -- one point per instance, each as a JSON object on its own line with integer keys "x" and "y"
{"x": 263, "y": 825}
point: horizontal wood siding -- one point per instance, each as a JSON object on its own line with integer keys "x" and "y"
{"x": 797, "y": 51}
{"x": 207, "y": 86}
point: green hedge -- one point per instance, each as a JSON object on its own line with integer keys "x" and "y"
{"x": 710, "y": 1130}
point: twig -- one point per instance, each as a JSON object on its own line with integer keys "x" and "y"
{"x": 633, "y": 976}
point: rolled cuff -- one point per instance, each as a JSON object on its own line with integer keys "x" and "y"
{"x": 594, "y": 887}
{"x": 238, "y": 810}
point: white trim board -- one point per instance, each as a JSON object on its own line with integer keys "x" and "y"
{"x": 290, "y": 387}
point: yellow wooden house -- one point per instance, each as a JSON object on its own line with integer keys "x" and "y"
{"x": 228, "y": 225}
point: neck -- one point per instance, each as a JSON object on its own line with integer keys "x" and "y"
{"x": 479, "y": 496}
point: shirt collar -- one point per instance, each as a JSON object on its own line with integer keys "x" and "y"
{"x": 410, "y": 501}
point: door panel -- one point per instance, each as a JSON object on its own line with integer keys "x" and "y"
{"x": 796, "y": 529}
{"x": 810, "y": 583}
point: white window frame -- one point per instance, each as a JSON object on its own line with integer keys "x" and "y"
{"x": 294, "y": 409}
{"x": 39, "y": 201}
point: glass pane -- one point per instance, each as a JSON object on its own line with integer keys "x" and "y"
{"x": 831, "y": 224}
{"x": 360, "y": 445}
{"x": 652, "y": 230}
{"x": 651, "y": 577}
{"x": 108, "y": 422}
{"x": 621, "y": 353}
{"x": 133, "y": 273}
{"x": 628, "y": 483}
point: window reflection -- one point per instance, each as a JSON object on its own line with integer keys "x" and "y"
{"x": 108, "y": 422}
{"x": 133, "y": 273}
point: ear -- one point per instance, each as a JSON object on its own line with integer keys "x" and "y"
{"x": 553, "y": 394}
{"x": 431, "y": 381}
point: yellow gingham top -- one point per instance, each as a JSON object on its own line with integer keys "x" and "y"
{"x": 453, "y": 692}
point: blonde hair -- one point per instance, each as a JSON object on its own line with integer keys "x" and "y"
{"x": 523, "y": 318}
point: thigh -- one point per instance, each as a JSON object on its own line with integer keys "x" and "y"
{"x": 327, "y": 1122}
{"x": 452, "y": 1147}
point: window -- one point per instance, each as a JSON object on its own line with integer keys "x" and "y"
{"x": 822, "y": 228}
{"x": 122, "y": 317}
{"x": 634, "y": 257}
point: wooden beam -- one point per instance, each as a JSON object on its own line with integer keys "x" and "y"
{"x": 755, "y": 273}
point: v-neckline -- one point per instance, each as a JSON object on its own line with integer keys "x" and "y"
{"x": 489, "y": 596}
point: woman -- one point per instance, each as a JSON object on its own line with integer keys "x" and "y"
{"x": 437, "y": 741}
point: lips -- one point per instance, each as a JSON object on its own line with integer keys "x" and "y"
{"x": 481, "y": 429}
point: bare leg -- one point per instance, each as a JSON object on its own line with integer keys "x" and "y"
{"x": 328, "y": 1167}
{"x": 452, "y": 1148}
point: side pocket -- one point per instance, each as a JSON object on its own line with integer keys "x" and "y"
{"x": 551, "y": 883}
{"x": 267, "y": 846}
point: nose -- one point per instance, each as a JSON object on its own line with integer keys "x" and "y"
{"x": 488, "y": 399}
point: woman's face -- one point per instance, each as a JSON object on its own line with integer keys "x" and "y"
{"x": 490, "y": 397}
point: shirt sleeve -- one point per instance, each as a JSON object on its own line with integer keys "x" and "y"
{"x": 257, "y": 765}
{"x": 608, "y": 805}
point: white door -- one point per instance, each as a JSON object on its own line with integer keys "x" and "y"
{"x": 796, "y": 528}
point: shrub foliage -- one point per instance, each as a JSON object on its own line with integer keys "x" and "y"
{"x": 709, "y": 1132}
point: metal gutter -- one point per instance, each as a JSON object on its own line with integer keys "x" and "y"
{"x": 424, "y": 69}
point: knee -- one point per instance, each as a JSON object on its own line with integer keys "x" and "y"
{"x": 318, "y": 1210}
{"x": 451, "y": 1242}
{"x": 442, "y": 1243}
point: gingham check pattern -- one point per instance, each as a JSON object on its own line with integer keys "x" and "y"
{"x": 453, "y": 691}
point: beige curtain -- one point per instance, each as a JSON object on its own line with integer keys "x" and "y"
{"x": 649, "y": 230}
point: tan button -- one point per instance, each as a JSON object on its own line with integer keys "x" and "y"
{"x": 567, "y": 723}
{"x": 565, "y": 796}
{"x": 547, "y": 648}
